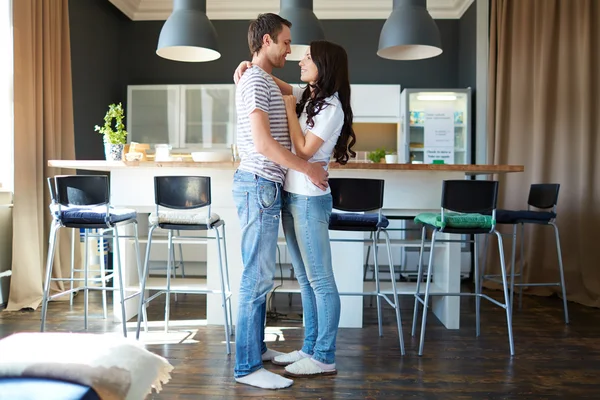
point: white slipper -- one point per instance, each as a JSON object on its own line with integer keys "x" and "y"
{"x": 287, "y": 359}
{"x": 306, "y": 368}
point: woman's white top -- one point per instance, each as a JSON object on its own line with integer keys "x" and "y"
{"x": 327, "y": 126}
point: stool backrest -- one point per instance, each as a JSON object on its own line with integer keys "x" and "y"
{"x": 470, "y": 196}
{"x": 182, "y": 192}
{"x": 543, "y": 195}
{"x": 81, "y": 190}
{"x": 52, "y": 190}
{"x": 355, "y": 195}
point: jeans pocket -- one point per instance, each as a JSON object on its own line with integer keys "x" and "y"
{"x": 267, "y": 194}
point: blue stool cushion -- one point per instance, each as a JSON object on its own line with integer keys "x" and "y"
{"x": 513, "y": 216}
{"x": 359, "y": 220}
{"x": 456, "y": 220}
{"x": 95, "y": 215}
{"x": 26, "y": 388}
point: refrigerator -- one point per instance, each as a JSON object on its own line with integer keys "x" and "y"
{"x": 435, "y": 126}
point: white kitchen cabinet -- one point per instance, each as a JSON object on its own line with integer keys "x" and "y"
{"x": 185, "y": 116}
{"x": 376, "y": 103}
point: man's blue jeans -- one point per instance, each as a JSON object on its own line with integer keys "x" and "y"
{"x": 258, "y": 203}
{"x": 306, "y": 227}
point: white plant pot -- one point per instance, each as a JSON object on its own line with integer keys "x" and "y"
{"x": 113, "y": 152}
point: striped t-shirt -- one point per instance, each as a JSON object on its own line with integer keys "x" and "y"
{"x": 257, "y": 90}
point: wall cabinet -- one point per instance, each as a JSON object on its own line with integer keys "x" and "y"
{"x": 376, "y": 103}
{"x": 184, "y": 116}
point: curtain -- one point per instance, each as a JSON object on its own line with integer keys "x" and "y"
{"x": 43, "y": 111}
{"x": 544, "y": 93}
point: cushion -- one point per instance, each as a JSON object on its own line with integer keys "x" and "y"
{"x": 115, "y": 367}
{"x": 48, "y": 389}
{"x": 512, "y": 217}
{"x": 93, "y": 215}
{"x": 356, "y": 219}
{"x": 455, "y": 220}
{"x": 186, "y": 217}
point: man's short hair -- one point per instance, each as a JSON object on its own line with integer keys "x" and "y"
{"x": 269, "y": 23}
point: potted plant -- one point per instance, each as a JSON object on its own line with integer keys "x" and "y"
{"x": 114, "y": 140}
{"x": 377, "y": 155}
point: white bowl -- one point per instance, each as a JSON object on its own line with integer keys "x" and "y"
{"x": 211, "y": 156}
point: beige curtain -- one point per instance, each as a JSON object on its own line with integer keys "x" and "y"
{"x": 543, "y": 110}
{"x": 43, "y": 130}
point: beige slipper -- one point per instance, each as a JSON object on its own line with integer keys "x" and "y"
{"x": 287, "y": 359}
{"x": 306, "y": 368}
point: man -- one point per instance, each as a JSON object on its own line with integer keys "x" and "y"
{"x": 264, "y": 145}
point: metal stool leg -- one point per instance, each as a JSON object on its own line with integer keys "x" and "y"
{"x": 181, "y": 257}
{"x": 366, "y": 267}
{"x": 72, "y": 295}
{"x": 522, "y": 266}
{"x": 419, "y": 279}
{"x": 395, "y": 291}
{"x": 121, "y": 281}
{"x": 168, "y": 293}
{"x": 377, "y": 286}
{"x": 512, "y": 267}
{"x": 174, "y": 270}
{"x": 227, "y": 281}
{"x": 561, "y": 270}
{"x": 49, "y": 263}
{"x": 102, "y": 275}
{"x": 484, "y": 261}
{"x": 223, "y": 294}
{"x": 142, "y": 305}
{"x": 86, "y": 289}
{"x": 478, "y": 284}
{"x": 426, "y": 299}
{"x": 139, "y": 268}
{"x": 506, "y": 296}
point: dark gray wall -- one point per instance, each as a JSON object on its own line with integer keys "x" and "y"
{"x": 359, "y": 37}
{"x": 109, "y": 52}
{"x": 467, "y": 61}
{"x": 96, "y": 68}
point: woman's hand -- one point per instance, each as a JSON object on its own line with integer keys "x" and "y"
{"x": 290, "y": 103}
{"x": 239, "y": 71}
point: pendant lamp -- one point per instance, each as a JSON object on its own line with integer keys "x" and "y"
{"x": 409, "y": 33}
{"x": 188, "y": 34}
{"x": 305, "y": 25}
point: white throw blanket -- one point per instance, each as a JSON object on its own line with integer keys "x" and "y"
{"x": 116, "y": 368}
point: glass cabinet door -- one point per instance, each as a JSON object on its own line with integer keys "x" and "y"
{"x": 153, "y": 114}
{"x": 438, "y": 128}
{"x": 209, "y": 116}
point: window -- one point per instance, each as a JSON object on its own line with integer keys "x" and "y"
{"x": 6, "y": 97}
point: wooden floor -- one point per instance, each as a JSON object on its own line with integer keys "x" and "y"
{"x": 552, "y": 360}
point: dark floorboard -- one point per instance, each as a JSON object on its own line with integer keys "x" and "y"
{"x": 553, "y": 361}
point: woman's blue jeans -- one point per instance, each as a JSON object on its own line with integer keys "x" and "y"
{"x": 258, "y": 203}
{"x": 306, "y": 227}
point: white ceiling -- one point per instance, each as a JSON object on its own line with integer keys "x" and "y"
{"x": 144, "y": 10}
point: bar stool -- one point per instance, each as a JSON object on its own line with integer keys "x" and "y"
{"x": 358, "y": 197}
{"x": 543, "y": 197}
{"x": 182, "y": 197}
{"x": 82, "y": 201}
{"x": 464, "y": 206}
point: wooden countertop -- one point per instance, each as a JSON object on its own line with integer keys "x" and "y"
{"x": 101, "y": 165}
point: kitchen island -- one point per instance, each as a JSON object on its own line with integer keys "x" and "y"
{"x": 409, "y": 190}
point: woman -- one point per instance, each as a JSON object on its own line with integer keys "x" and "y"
{"x": 320, "y": 125}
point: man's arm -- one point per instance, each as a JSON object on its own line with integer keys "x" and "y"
{"x": 270, "y": 148}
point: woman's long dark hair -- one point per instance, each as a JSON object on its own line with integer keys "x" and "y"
{"x": 331, "y": 61}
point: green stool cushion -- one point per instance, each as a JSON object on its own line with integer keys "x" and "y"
{"x": 455, "y": 220}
